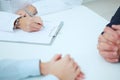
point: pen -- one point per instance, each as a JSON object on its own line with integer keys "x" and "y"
{"x": 55, "y": 30}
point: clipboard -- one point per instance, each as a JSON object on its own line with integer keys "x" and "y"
{"x": 44, "y": 37}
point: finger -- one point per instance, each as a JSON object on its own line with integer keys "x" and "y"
{"x": 56, "y": 57}
{"x": 33, "y": 29}
{"x": 38, "y": 20}
{"x": 68, "y": 58}
{"x": 110, "y": 38}
{"x": 112, "y": 60}
{"x": 73, "y": 64}
{"x": 110, "y": 34}
{"x": 109, "y": 54}
{"x": 119, "y": 52}
{"x": 118, "y": 32}
{"x": 101, "y": 39}
{"x": 36, "y": 25}
{"x": 118, "y": 41}
{"x": 77, "y": 71}
{"x": 107, "y": 47}
{"x": 80, "y": 76}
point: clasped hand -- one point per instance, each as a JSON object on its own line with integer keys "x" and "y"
{"x": 109, "y": 43}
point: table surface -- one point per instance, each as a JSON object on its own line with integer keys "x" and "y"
{"x": 78, "y": 37}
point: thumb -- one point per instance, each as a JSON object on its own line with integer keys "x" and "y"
{"x": 56, "y": 57}
{"x": 116, "y": 27}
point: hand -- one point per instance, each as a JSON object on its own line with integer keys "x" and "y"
{"x": 64, "y": 68}
{"x": 117, "y": 29}
{"x": 30, "y": 24}
{"x": 108, "y": 45}
{"x": 30, "y": 8}
{"x": 22, "y": 12}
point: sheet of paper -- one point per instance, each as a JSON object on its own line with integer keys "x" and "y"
{"x": 45, "y": 36}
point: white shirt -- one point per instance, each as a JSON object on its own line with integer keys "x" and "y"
{"x": 7, "y": 21}
{"x": 14, "y": 5}
{"x": 7, "y": 12}
{"x": 43, "y": 7}
{"x": 21, "y": 69}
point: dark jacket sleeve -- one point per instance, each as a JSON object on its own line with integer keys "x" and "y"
{"x": 115, "y": 19}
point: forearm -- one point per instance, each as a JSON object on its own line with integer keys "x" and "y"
{"x": 14, "y": 70}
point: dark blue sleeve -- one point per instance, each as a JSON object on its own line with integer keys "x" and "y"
{"x": 115, "y": 19}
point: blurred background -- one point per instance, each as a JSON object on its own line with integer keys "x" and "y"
{"x": 105, "y": 8}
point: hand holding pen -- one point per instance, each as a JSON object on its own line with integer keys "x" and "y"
{"x": 30, "y": 24}
{"x": 28, "y": 21}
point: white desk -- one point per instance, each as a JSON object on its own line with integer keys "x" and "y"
{"x": 78, "y": 38}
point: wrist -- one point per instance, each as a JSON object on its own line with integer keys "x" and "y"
{"x": 44, "y": 68}
{"x": 17, "y": 23}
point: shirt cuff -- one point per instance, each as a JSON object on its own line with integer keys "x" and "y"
{"x": 30, "y": 68}
{"x": 50, "y": 77}
{"x": 8, "y": 23}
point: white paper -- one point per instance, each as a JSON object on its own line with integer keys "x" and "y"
{"x": 41, "y": 37}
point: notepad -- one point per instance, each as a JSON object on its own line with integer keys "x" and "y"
{"x": 44, "y": 37}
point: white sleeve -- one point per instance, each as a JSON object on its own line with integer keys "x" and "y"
{"x": 15, "y": 70}
{"x": 73, "y": 2}
{"x": 7, "y": 21}
{"x": 50, "y": 6}
{"x": 50, "y": 77}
